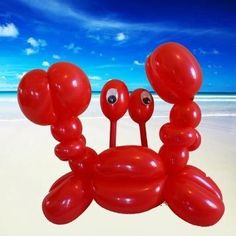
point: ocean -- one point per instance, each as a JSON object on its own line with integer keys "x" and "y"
{"x": 212, "y": 104}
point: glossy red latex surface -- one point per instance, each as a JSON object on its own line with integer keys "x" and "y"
{"x": 174, "y": 136}
{"x": 196, "y": 143}
{"x": 129, "y": 162}
{"x": 141, "y": 105}
{"x": 129, "y": 197}
{"x": 83, "y": 139}
{"x": 174, "y": 158}
{"x": 125, "y": 177}
{"x": 70, "y": 89}
{"x": 84, "y": 164}
{"x": 187, "y": 114}
{"x": 174, "y": 73}
{"x": 194, "y": 197}
{"x": 46, "y": 96}
{"x": 34, "y": 98}
{"x": 70, "y": 149}
{"x": 60, "y": 180}
{"x": 114, "y": 99}
{"x": 159, "y": 86}
{"x": 67, "y": 200}
{"x": 66, "y": 130}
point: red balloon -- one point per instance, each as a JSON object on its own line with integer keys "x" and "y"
{"x": 186, "y": 114}
{"x": 85, "y": 164}
{"x": 174, "y": 136}
{"x": 60, "y": 180}
{"x": 125, "y": 177}
{"x": 69, "y": 150}
{"x": 174, "y": 72}
{"x": 129, "y": 162}
{"x": 141, "y": 105}
{"x": 193, "y": 173}
{"x": 114, "y": 99}
{"x": 194, "y": 197}
{"x": 196, "y": 143}
{"x": 66, "y": 130}
{"x": 174, "y": 158}
{"x": 158, "y": 85}
{"x": 34, "y": 98}
{"x": 66, "y": 201}
{"x": 129, "y": 197}
{"x": 70, "y": 89}
{"x": 83, "y": 139}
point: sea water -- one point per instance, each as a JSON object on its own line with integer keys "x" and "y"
{"x": 218, "y": 105}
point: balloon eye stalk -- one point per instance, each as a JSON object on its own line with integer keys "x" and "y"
{"x": 141, "y": 106}
{"x": 112, "y": 99}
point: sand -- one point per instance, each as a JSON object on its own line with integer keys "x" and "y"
{"x": 28, "y": 167}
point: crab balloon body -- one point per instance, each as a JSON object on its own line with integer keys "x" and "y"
{"x": 125, "y": 179}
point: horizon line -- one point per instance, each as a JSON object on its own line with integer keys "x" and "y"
{"x": 151, "y": 91}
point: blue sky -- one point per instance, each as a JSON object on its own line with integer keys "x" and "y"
{"x": 111, "y": 39}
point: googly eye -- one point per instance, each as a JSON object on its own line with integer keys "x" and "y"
{"x": 141, "y": 105}
{"x": 114, "y": 99}
{"x": 146, "y": 98}
{"x": 112, "y": 96}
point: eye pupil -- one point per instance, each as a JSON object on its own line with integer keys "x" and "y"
{"x": 146, "y": 100}
{"x": 112, "y": 99}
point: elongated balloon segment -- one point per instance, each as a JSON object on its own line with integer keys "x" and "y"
{"x": 70, "y": 89}
{"x": 45, "y": 97}
{"x": 114, "y": 104}
{"x": 34, "y": 97}
{"x": 141, "y": 106}
{"x": 174, "y": 72}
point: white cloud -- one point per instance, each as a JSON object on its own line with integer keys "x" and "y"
{"x": 35, "y": 44}
{"x": 95, "y": 77}
{"x": 42, "y": 43}
{"x": 55, "y": 56}
{"x": 215, "y": 52}
{"x": 9, "y": 30}
{"x": 201, "y": 51}
{"x": 92, "y": 23}
{"x": 136, "y": 62}
{"x": 214, "y": 66}
{"x": 30, "y": 51}
{"x": 75, "y": 49}
{"x": 45, "y": 63}
{"x": 95, "y": 37}
{"x": 112, "y": 66}
{"x": 120, "y": 37}
{"x": 20, "y": 75}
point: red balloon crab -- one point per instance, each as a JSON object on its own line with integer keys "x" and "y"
{"x": 126, "y": 179}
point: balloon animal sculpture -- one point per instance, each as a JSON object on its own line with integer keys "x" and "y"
{"x": 126, "y": 179}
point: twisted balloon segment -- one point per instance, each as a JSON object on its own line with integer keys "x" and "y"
{"x": 176, "y": 76}
{"x": 125, "y": 179}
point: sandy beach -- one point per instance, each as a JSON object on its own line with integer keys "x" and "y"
{"x": 28, "y": 167}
